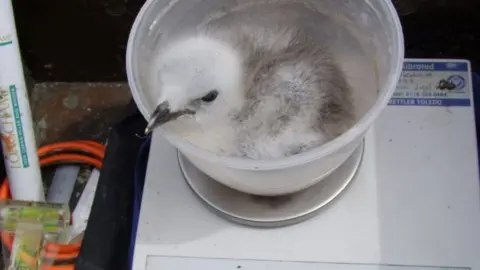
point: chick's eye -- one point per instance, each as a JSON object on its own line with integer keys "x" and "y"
{"x": 211, "y": 96}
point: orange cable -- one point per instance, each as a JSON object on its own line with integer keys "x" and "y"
{"x": 78, "y": 152}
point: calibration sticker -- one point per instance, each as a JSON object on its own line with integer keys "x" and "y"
{"x": 433, "y": 83}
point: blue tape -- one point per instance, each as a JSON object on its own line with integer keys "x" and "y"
{"x": 138, "y": 184}
{"x": 476, "y": 102}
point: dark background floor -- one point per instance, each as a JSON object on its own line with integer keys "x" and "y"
{"x": 74, "y": 55}
{"x": 85, "y": 40}
{"x": 78, "y": 42}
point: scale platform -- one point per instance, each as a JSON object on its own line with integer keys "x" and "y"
{"x": 409, "y": 198}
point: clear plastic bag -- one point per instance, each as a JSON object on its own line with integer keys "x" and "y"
{"x": 26, "y": 230}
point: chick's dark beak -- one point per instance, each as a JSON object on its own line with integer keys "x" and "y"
{"x": 162, "y": 115}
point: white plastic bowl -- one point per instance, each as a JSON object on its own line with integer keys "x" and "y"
{"x": 374, "y": 23}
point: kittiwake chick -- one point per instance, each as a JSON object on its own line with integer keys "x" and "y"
{"x": 252, "y": 92}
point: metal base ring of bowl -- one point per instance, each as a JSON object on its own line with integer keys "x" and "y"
{"x": 258, "y": 211}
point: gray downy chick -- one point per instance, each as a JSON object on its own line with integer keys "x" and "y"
{"x": 252, "y": 92}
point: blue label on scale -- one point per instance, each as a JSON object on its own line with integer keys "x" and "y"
{"x": 433, "y": 83}
{"x": 435, "y": 66}
{"x": 428, "y": 102}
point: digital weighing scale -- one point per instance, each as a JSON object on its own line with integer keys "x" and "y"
{"x": 408, "y": 198}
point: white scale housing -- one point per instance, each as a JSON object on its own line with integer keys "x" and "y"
{"x": 413, "y": 204}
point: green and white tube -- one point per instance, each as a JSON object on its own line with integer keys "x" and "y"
{"x": 16, "y": 127}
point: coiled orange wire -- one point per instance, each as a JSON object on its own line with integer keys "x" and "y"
{"x": 74, "y": 152}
